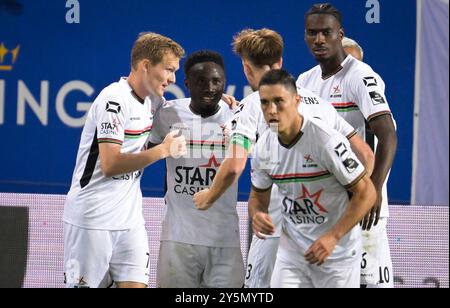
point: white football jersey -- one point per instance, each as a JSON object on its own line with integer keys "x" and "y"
{"x": 219, "y": 225}
{"x": 249, "y": 123}
{"x": 357, "y": 93}
{"x": 313, "y": 175}
{"x": 94, "y": 201}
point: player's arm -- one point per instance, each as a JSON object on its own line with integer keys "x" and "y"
{"x": 368, "y": 91}
{"x": 359, "y": 146}
{"x": 384, "y": 129}
{"x": 113, "y": 162}
{"x": 363, "y": 152}
{"x": 258, "y": 210}
{"x": 228, "y": 173}
{"x": 364, "y": 196}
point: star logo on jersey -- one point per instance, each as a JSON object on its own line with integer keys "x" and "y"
{"x": 113, "y": 107}
{"x": 370, "y": 81}
{"x": 336, "y": 90}
{"x": 315, "y": 198}
{"x": 211, "y": 163}
{"x": 308, "y": 158}
{"x": 309, "y": 162}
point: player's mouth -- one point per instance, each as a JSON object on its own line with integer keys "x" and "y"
{"x": 273, "y": 121}
{"x": 320, "y": 51}
{"x": 210, "y": 98}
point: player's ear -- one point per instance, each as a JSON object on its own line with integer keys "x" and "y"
{"x": 298, "y": 99}
{"x": 341, "y": 33}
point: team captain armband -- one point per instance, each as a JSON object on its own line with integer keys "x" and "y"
{"x": 242, "y": 141}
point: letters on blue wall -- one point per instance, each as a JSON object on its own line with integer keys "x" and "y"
{"x": 56, "y": 56}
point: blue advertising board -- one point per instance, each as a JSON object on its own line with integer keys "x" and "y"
{"x": 56, "y": 56}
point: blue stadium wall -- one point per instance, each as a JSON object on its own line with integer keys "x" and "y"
{"x": 62, "y": 65}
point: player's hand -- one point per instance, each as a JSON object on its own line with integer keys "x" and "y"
{"x": 321, "y": 249}
{"x": 230, "y": 100}
{"x": 262, "y": 225}
{"x": 371, "y": 218}
{"x": 174, "y": 146}
{"x": 201, "y": 200}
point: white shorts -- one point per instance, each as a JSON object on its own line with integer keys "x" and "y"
{"x": 292, "y": 271}
{"x": 260, "y": 262}
{"x": 376, "y": 263}
{"x": 98, "y": 258}
{"x": 192, "y": 266}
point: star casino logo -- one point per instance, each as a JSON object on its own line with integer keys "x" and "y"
{"x": 305, "y": 209}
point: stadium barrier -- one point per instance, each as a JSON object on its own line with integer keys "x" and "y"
{"x": 31, "y": 241}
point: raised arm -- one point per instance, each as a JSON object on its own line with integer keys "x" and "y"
{"x": 228, "y": 173}
{"x": 113, "y": 162}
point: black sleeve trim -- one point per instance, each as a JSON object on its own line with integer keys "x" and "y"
{"x": 378, "y": 114}
{"x": 260, "y": 190}
{"x": 353, "y": 133}
{"x": 356, "y": 180}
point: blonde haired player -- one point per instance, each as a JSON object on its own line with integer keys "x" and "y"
{"x": 105, "y": 240}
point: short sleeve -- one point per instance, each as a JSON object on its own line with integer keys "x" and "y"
{"x": 156, "y": 136}
{"x": 260, "y": 177}
{"x": 368, "y": 93}
{"x": 244, "y": 125}
{"x": 110, "y": 120}
{"x": 338, "y": 157}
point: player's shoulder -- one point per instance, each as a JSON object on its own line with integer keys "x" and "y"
{"x": 225, "y": 110}
{"x": 175, "y": 104}
{"x": 313, "y": 103}
{"x": 252, "y": 100}
{"x": 318, "y": 130}
{"x": 267, "y": 140}
{"x": 172, "y": 109}
{"x": 111, "y": 98}
{"x": 115, "y": 90}
{"x": 308, "y": 74}
{"x": 358, "y": 69}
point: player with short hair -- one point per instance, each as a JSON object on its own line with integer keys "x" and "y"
{"x": 105, "y": 240}
{"x": 313, "y": 166}
{"x": 357, "y": 92}
{"x": 261, "y": 50}
{"x": 198, "y": 249}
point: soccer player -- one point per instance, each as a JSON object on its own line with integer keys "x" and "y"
{"x": 351, "y": 47}
{"x": 320, "y": 242}
{"x": 261, "y": 50}
{"x": 357, "y": 92}
{"x": 105, "y": 240}
{"x": 198, "y": 249}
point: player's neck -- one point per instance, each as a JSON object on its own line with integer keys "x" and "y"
{"x": 289, "y": 137}
{"x": 203, "y": 112}
{"x": 331, "y": 66}
{"x": 135, "y": 85}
